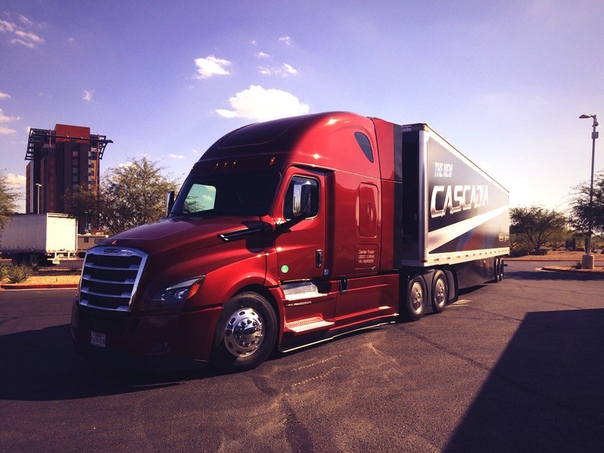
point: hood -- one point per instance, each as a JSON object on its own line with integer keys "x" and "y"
{"x": 192, "y": 234}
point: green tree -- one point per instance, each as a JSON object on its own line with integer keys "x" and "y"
{"x": 580, "y": 206}
{"x": 8, "y": 200}
{"x": 134, "y": 194}
{"x": 85, "y": 205}
{"x": 536, "y": 226}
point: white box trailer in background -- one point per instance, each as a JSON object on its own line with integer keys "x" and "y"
{"x": 87, "y": 240}
{"x": 36, "y": 238}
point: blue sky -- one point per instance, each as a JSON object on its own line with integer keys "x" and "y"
{"x": 503, "y": 81}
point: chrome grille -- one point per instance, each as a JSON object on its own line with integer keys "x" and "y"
{"x": 110, "y": 276}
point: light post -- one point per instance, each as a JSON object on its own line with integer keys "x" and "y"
{"x": 39, "y": 186}
{"x": 588, "y": 259}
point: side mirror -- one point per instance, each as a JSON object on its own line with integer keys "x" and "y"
{"x": 169, "y": 202}
{"x": 302, "y": 199}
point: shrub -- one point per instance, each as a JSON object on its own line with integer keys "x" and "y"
{"x": 18, "y": 274}
{"x": 520, "y": 250}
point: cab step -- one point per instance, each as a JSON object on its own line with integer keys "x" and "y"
{"x": 308, "y": 324}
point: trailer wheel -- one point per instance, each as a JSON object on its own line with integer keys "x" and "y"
{"x": 440, "y": 291}
{"x": 498, "y": 270}
{"x": 415, "y": 302}
{"x": 245, "y": 334}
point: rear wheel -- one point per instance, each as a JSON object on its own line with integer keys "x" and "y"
{"x": 245, "y": 334}
{"x": 440, "y": 291}
{"x": 498, "y": 270}
{"x": 415, "y": 302}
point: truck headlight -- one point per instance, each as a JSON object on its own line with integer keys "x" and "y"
{"x": 178, "y": 293}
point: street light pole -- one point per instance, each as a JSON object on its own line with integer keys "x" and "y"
{"x": 39, "y": 186}
{"x": 588, "y": 259}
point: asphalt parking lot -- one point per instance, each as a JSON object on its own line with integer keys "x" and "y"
{"x": 513, "y": 366}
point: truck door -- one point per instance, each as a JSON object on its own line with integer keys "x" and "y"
{"x": 301, "y": 245}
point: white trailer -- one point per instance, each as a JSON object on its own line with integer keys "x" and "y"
{"x": 36, "y": 238}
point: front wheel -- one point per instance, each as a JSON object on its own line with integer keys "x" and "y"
{"x": 245, "y": 334}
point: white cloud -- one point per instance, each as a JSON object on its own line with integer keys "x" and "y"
{"x": 284, "y": 71}
{"x": 263, "y": 55}
{"x": 88, "y": 95}
{"x": 31, "y": 45}
{"x": 288, "y": 69}
{"x": 15, "y": 181}
{"x": 175, "y": 156}
{"x": 285, "y": 40}
{"x": 7, "y": 27}
{"x": 211, "y": 66}
{"x": 21, "y": 33}
{"x": 28, "y": 36}
{"x": 27, "y": 22}
{"x": 260, "y": 104}
{"x": 6, "y": 119}
{"x": 4, "y": 130}
{"x": 4, "y": 95}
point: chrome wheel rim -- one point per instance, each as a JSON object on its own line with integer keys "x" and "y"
{"x": 244, "y": 332}
{"x": 440, "y": 291}
{"x": 416, "y": 297}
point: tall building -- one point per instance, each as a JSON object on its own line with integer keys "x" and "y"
{"x": 61, "y": 160}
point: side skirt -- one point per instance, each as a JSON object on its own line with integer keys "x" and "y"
{"x": 323, "y": 337}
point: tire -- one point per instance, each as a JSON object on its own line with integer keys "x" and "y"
{"x": 498, "y": 270}
{"x": 440, "y": 292}
{"x": 415, "y": 302}
{"x": 245, "y": 334}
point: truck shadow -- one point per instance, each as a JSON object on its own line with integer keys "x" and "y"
{"x": 41, "y": 365}
{"x": 545, "y": 393}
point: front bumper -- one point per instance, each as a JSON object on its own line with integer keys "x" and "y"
{"x": 153, "y": 341}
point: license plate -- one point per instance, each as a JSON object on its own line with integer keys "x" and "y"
{"x": 98, "y": 339}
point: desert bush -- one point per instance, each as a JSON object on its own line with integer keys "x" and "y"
{"x": 520, "y": 249}
{"x": 18, "y": 274}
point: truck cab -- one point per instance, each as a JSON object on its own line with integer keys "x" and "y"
{"x": 274, "y": 239}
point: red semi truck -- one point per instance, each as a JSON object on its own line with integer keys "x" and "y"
{"x": 291, "y": 232}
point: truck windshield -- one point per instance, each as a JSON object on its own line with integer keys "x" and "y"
{"x": 238, "y": 194}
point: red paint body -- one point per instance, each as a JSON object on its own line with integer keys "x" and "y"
{"x": 353, "y": 249}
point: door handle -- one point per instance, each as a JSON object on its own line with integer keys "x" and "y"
{"x": 319, "y": 258}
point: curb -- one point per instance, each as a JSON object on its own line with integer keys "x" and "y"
{"x": 48, "y": 286}
{"x": 573, "y": 271}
